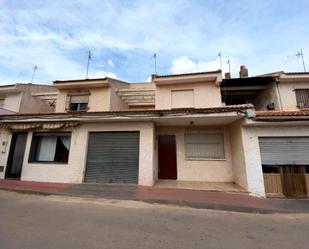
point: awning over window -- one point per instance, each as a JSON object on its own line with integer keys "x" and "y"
{"x": 37, "y": 125}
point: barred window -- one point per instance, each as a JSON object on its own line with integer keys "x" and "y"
{"x": 302, "y": 98}
{"x": 204, "y": 146}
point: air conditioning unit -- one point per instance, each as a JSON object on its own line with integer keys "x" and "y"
{"x": 270, "y": 106}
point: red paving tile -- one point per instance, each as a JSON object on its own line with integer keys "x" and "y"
{"x": 34, "y": 186}
{"x": 134, "y": 192}
{"x": 140, "y": 192}
{"x": 202, "y": 196}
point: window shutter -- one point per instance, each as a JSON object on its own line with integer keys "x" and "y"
{"x": 79, "y": 99}
{"x": 204, "y": 146}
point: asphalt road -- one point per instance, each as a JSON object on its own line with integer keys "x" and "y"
{"x": 38, "y": 222}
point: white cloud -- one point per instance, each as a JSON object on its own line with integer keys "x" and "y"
{"x": 110, "y": 63}
{"x": 102, "y": 74}
{"x": 53, "y": 34}
{"x": 184, "y": 64}
{"x": 148, "y": 79}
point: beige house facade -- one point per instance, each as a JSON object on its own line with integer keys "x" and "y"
{"x": 274, "y": 141}
{"x": 194, "y": 127}
{"x": 27, "y": 98}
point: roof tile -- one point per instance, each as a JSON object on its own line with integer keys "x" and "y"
{"x": 186, "y": 74}
{"x": 281, "y": 113}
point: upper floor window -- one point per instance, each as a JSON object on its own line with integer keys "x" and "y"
{"x": 78, "y": 103}
{"x": 182, "y": 98}
{"x": 1, "y": 102}
{"x": 302, "y": 98}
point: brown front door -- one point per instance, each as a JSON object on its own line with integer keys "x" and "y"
{"x": 294, "y": 181}
{"x": 167, "y": 157}
{"x": 16, "y": 155}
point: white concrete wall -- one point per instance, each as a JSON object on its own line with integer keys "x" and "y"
{"x": 238, "y": 156}
{"x": 5, "y": 142}
{"x": 200, "y": 170}
{"x": 206, "y": 94}
{"x": 288, "y": 96}
{"x": 74, "y": 171}
{"x": 252, "y": 151}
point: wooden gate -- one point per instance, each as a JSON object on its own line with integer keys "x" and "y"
{"x": 291, "y": 181}
{"x": 273, "y": 184}
{"x": 294, "y": 181}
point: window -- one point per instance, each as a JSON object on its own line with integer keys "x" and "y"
{"x": 1, "y": 102}
{"x": 78, "y": 103}
{"x": 50, "y": 147}
{"x": 204, "y": 146}
{"x": 302, "y": 98}
{"x": 182, "y": 98}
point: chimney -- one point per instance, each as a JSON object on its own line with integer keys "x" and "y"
{"x": 227, "y": 75}
{"x": 243, "y": 73}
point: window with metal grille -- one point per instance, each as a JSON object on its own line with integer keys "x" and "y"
{"x": 78, "y": 103}
{"x": 204, "y": 146}
{"x": 302, "y": 98}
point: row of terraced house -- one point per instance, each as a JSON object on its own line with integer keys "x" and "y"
{"x": 247, "y": 134}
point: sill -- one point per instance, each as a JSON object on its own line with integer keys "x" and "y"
{"x": 205, "y": 159}
{"x": 185, "y": 107}
{"x": 70, "y": 111}
{"x": 44, "y": 162}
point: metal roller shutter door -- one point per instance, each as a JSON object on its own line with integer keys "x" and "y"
{"x": 112, "y": 157}
{"x": 284, "y": 150}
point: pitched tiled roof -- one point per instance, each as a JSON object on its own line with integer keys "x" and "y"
{"x": 281, "y": 113}
{"x": 186, "y": 74}
{"x": 78, "y": 80}
{"x": 219, "y": 109}
{"x": 296, "y": 73}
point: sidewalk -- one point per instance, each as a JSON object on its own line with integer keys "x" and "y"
{"x": 238, "y": 202}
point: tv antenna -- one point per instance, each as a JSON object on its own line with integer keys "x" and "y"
{"x": 220, "y": 59}
{"x": 34, "y": 70}
{"x": 229, "y": 63}
{"x": 300, "y": 54}
{"x": 89, "y": 59}
{"x": 154, "y": 56}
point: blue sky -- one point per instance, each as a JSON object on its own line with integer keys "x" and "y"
{"x": 123, "y": 35}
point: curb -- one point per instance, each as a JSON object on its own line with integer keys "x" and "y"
{"x": 217, "y": 206}
{"x": 179, "y": 203}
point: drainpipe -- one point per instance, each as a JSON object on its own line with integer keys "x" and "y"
{"x": 279, "y": 94}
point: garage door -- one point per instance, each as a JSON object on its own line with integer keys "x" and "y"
{"x": 112, "y": 157}
{"x": 284, "y": 150}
